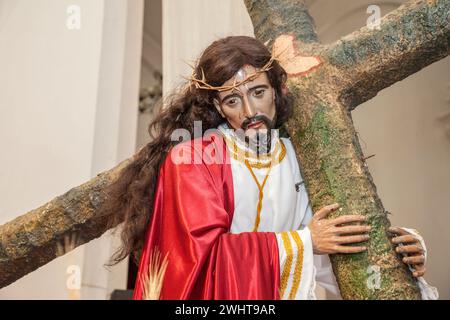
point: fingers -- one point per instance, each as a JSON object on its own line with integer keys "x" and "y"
{"x": 414, "y": 260}
{"x": 349, "y": 249}
{"x": 415, "y": 257}
{"x": 353, "y": 239}
{"x": 418, "y": 274}
{"x": 419, "y": 270}
{"x": 348, "y": 219}
{"x": 353, "y": 229}
{"x": 399, "y": 231}
{"x": 325, "y": 211}
{"x": 409, "y": 249}
{"x": 405, "y": 239}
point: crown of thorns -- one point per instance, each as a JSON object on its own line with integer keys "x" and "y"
{"x": 203, "y": 84}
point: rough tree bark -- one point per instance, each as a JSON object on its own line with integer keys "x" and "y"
{"x": 328, "y": 81}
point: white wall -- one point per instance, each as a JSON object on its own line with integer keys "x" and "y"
{"x": 68, "y": 107}
{"x": 151, "y": 63}
{"x": 116, "y": 128}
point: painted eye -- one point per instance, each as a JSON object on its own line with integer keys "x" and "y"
{"x": 259, "y": 92}
{"x": 232, "y": 101}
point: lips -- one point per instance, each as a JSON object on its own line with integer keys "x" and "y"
{"x": 255, "y": 125}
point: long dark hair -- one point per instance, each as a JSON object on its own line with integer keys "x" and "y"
{"x": 130, "y": 197}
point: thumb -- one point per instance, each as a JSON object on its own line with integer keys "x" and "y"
{"x": 325, "y": 211}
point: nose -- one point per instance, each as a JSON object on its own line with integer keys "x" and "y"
{"x": 249, "y": 110}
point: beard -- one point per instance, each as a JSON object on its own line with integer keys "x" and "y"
{"x": 260, "y": 140}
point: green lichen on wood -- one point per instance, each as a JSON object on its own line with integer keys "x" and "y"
{"x": 400, "y": 31}
{"x": 319, "y": 137}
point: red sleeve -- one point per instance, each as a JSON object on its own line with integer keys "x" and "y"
{"x": 191, "y": 222}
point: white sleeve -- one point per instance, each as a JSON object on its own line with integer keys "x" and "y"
{"x": 324, "y": 274}
{"x": 428, "y": 292}
{"x": 297, "y": 272}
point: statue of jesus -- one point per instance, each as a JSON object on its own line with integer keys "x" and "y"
{"x": 215, "y": 206}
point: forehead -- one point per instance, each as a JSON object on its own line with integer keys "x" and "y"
{"x": 242, "y": 73}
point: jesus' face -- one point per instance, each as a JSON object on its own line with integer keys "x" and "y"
{"x": 250, "y": 106}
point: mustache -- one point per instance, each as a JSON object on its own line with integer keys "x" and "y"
{"x": 259, "y": 117}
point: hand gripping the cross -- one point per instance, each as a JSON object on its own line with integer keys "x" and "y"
{"x": 335, "y": 235}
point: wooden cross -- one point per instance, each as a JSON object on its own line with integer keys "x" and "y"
{"x": 328, "y": 82}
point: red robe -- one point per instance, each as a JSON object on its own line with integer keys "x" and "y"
{"x": 193, "y": 211}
